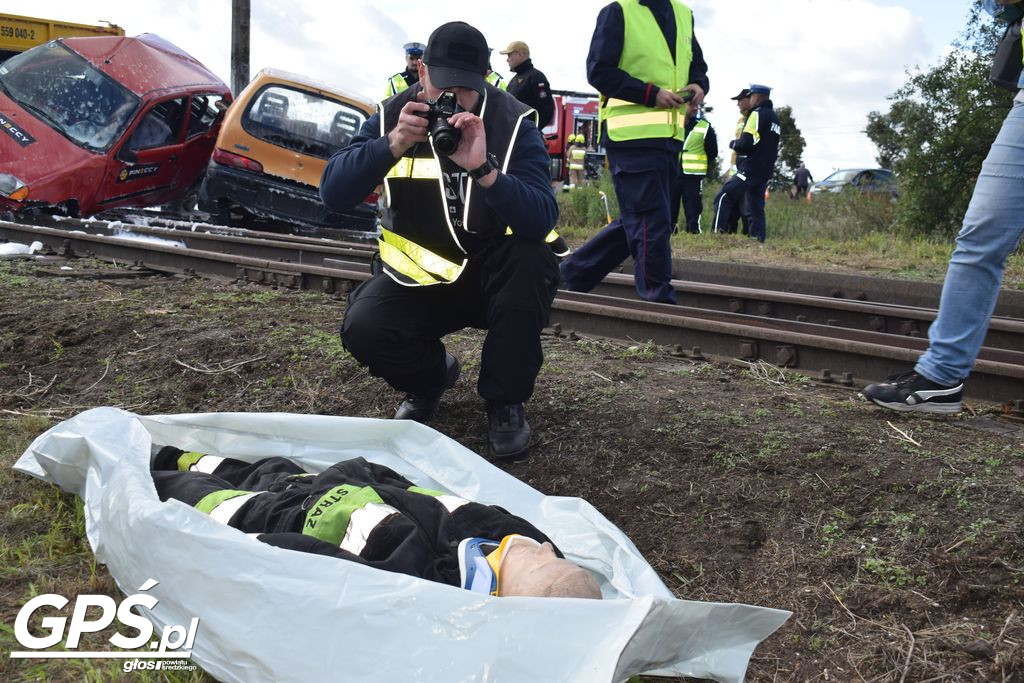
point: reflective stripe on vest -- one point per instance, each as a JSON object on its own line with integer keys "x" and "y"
{"x": 694, "y": 157}
{"x": 646, "y": 56}
{"x": 421, "y": 265}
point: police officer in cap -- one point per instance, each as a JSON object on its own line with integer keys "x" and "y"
{"x": 403, "y": 79}
{"x": 757, "y": 148}
{"x": 730, "y": 223}
{"x": 462, "y": 240}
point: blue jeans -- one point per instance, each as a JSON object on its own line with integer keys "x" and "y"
{"x": 992, "y": 230}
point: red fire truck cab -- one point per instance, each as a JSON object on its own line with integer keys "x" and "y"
{"x": 575, "y": 113}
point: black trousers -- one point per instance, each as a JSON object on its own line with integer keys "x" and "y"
{"x": 687, "y": 190}
{"x": 741, "y": 194}
{"x": 507, "y": 290}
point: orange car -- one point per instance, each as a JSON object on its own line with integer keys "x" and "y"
{"x": 272, "y": 149}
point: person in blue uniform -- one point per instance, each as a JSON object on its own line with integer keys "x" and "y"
{"x": 757, "y": 148}
{"x": 646, "y": 63}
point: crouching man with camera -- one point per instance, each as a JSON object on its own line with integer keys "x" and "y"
{"x": 468, "y": 206}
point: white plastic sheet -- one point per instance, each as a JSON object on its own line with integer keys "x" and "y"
{"x": 268, "y": 614}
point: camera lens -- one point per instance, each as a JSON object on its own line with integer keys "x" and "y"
{"x": 446, "y": 141}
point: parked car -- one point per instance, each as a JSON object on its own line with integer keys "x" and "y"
{"x": 90, "y": 124}
{"x": 272, "y": 150}
{"x": 866, "y": 180}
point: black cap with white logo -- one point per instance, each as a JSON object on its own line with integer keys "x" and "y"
{"x": 457, "y": 56}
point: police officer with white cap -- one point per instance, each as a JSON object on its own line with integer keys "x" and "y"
{"x": 403, "y": 79}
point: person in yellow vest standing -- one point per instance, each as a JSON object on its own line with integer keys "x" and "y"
{"x": 410, "y": 76}
{"x": 468, "y": 207}
{"x": 646, "y": 63}
{"x": 699, "y": 149}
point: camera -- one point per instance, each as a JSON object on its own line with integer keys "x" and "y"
{"x": 446, "y": 139}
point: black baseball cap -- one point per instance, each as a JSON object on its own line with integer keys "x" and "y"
{"x": 457, "y": 55}
{"x": 743, "y": 94}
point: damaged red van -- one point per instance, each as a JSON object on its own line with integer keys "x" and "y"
{"x": 89, "y": 124}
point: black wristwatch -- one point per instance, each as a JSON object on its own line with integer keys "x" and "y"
{"x": 490, "y": 165}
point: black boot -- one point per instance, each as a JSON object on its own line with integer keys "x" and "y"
{"x": 509, "y": 434}
{"x": 423, "y": 409}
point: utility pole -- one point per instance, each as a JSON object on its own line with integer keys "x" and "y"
{"x": 239, "y": 45}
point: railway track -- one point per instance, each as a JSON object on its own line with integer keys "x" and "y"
{"x": 843, "y": 340}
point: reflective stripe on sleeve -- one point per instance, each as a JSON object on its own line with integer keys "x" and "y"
{"x": 226, "y": 510}
{"x": 362, "y": 523}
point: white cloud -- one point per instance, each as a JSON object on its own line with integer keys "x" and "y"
{"x": 832, "y": 61}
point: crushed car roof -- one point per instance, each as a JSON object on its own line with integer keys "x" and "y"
{"x": 145, "y": 63}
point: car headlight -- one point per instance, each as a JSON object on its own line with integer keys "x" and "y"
{"x": 12, "y": 187}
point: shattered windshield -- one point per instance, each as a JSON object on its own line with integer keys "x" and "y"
{"x": 306, "y": 122}
{"x": 69, "y": 94}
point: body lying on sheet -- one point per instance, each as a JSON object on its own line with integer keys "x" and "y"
{"x": 364, "y": 512}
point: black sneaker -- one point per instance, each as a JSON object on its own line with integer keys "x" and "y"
{"x": 913, "y": 392}
{"x": 423, "y": 409}
{"x": 509, "y": 435}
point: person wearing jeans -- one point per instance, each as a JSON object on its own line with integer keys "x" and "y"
{"x": 992, "y": 229}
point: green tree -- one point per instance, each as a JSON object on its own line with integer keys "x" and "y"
{"x": 939, "y": 128}
{"x": 791, "y": 147}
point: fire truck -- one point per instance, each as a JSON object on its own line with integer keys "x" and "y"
{"x": 575, "y": 113}
{"x": 18, "y": 33}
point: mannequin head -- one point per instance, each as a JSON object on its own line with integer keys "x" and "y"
{"x": 532, "y": 569}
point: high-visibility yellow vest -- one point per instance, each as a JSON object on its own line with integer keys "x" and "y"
{"x": 694, "y": 157}
{"x": 420, "y": 242}
{"x": 646, "y": 56}
{"x": 396, "y": 84}
{"x": 495, "y": 79}
{"x": 739, "y": 131}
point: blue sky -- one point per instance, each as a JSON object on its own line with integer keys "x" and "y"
{"x": 832, "y": 61}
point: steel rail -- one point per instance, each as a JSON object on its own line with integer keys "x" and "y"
{"x": 824, "y": 351}
{"x": 903, "y": 320}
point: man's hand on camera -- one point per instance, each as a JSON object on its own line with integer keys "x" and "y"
{"x": 472, "y": 151}
{"x": 410, "y": 129}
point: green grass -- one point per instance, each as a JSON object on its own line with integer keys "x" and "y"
{"x": 845, "y": 232}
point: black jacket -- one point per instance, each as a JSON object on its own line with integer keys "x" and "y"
{"x": 762, "y": 150}
{"x": 530, "y": 86}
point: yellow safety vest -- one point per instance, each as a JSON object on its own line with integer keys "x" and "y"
{"x": 739, "y": 131}
{"x": 495, "y": 79}
{"x": 646, "y": 56}
{"x": 694, "y": 157}
{"x": 420, "y": 245}
{"x": 396, "y": 84}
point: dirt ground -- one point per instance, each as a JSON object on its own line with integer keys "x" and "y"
{"x": 895, "y": 540}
